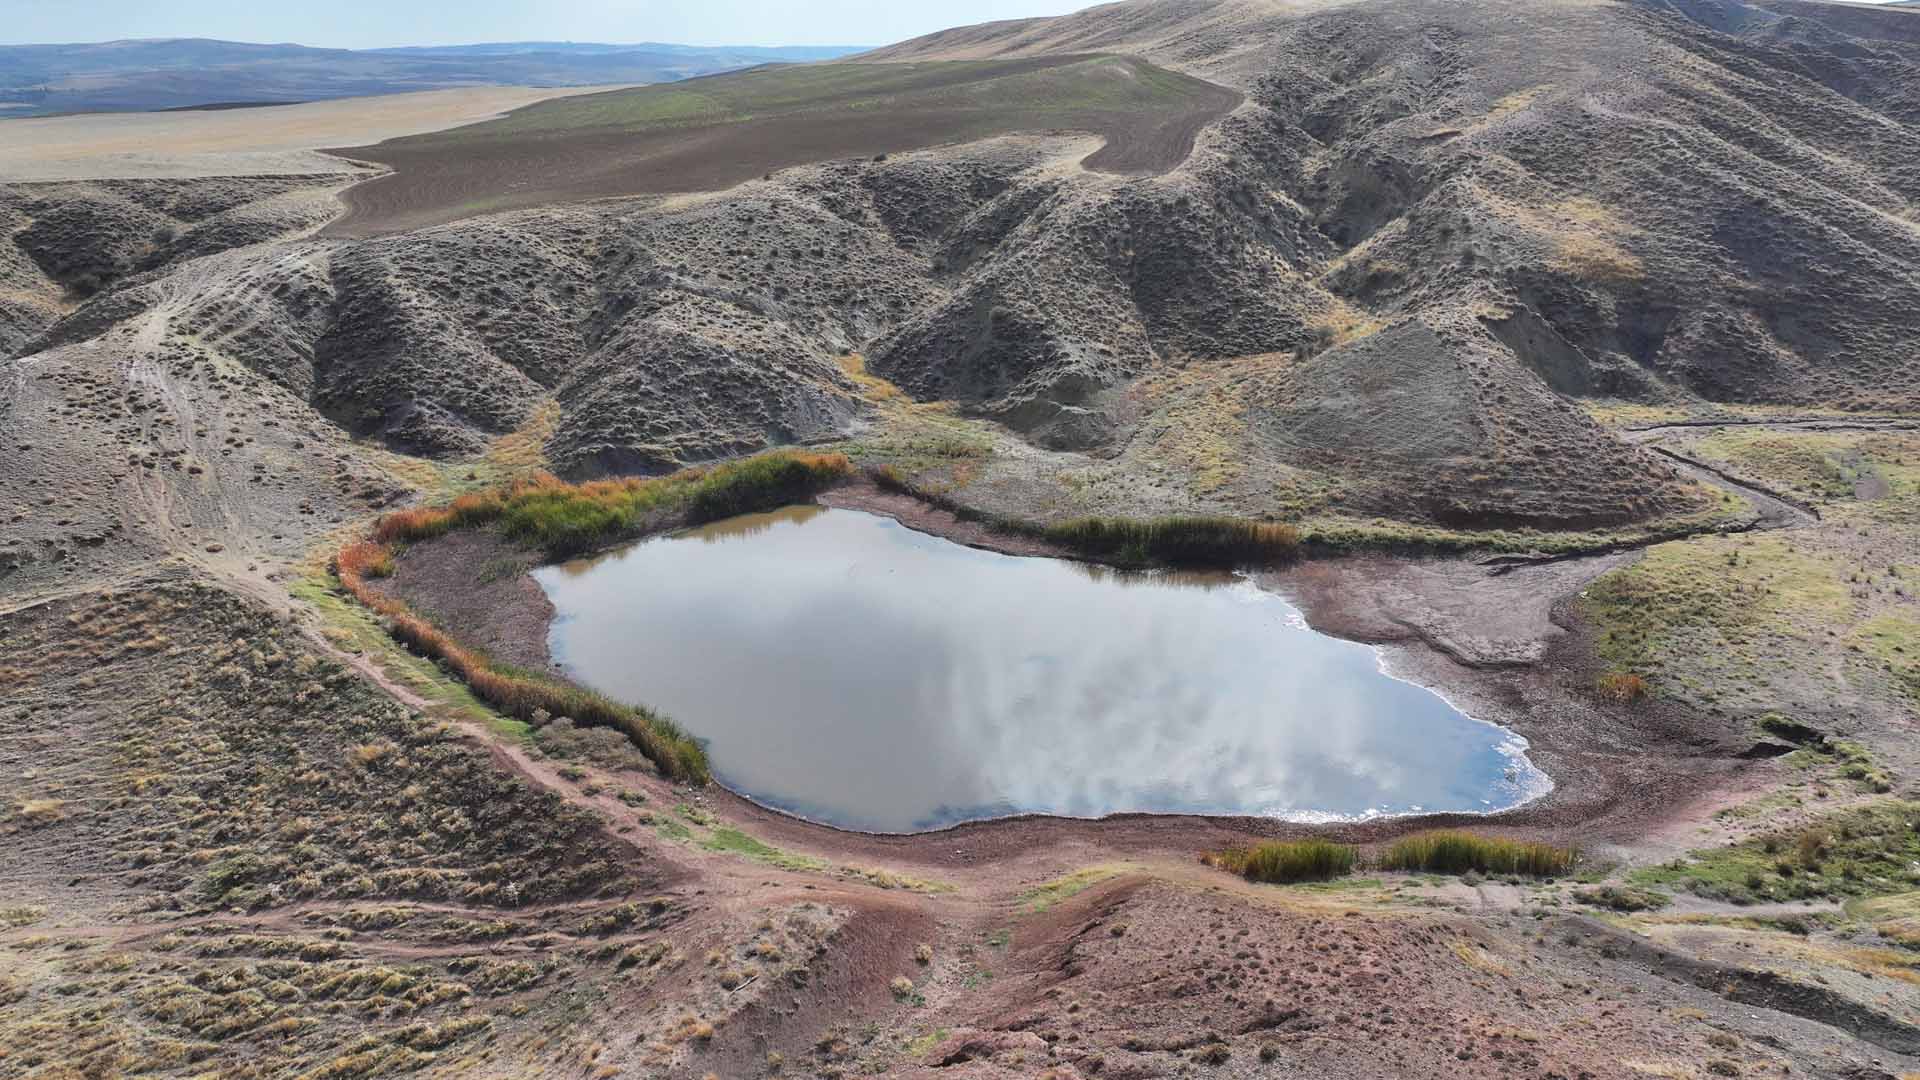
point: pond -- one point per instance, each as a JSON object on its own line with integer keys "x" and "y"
{"x": 847, "y": 669}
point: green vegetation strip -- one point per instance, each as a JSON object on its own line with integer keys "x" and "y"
{"x": 1174, "y": 541}
{"x": 1443, "y": 851}
{"x": 1219, "y": 541}
{"x": 1452, "y": 851}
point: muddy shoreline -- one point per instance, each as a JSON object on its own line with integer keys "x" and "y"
{"x": 1500, "y": 646}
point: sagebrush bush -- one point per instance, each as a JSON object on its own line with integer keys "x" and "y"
{"x": 1282, "y": 862}
{"x": 1455, "y": 851}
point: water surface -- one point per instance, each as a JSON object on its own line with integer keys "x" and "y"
{"x": 850, "y": 670}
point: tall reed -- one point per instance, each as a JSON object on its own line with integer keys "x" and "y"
{"x": 1456, "y": 851}
{"x": 1190, "y": 540}
{"x": 1281, "y": 862}
{"x": 562, "y": 519}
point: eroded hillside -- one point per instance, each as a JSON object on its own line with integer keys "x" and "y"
{"x": 1573, "y": 341}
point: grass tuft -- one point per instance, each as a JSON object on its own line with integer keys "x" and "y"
{"x": 1194, "y": 540}
{"x": 1454, "y": 851}
{"x": 1282, "y": 862}
{"x": 1177, "y": 541}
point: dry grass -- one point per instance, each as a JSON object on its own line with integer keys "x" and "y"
{"x": 1595, "y": 258}
{"x": 522, "y": 696}
{"x": 872, "y": 387}
{"x": 1281, "y": 862}
{"x": 1195, "y": 540}
{"x": 1453, "y": 851}
{"x": 563, "y": 519}
{"x": 1621, "y": 687}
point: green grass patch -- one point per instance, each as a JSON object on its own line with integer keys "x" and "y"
{"x": 1726, "y": 595}
{"x": 1042, "y": 897}
{"x": 1455, "y": 851}
{"x": 1804, "y": 463}
{"x": 919, "y": 1046}
{"x": 1194, "y": 540}
{"x": 734, "y": 842}
{"x": 1868, "y": 851}
{"x": 1894, "y": 640}
{"x": 561, "y": 520}
{"x": 1211, "y": 540}
{"x": 1284, "y": 862}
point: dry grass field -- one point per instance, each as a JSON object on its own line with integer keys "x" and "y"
{"x": 713, "y": 133}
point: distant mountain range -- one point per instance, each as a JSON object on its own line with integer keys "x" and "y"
{"x": 176, "y": 73}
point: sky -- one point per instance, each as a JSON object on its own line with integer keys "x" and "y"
{"x": 357, "y": 24}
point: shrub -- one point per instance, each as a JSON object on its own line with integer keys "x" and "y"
{"x": 1213, "y": 1054}
{"x": 1280, "y": 862}
{"x": 1454, "y": 851}
{"x": 1622, "y": 898}
{"x": 1621, "y": 687}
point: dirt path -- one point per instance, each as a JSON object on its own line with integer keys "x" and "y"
{"x": 1655, "y": 432}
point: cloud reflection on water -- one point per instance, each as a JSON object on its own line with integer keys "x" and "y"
{"x": 857, "y": 672}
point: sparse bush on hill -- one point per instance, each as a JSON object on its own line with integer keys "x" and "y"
{"x": 1621, "y": 687}
{"x": 1281, "y": 862}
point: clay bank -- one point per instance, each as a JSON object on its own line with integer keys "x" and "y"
{"x": 852, "y": 671}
